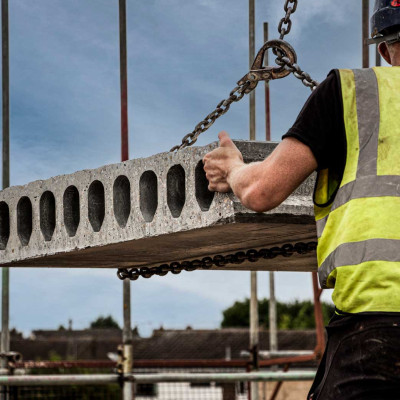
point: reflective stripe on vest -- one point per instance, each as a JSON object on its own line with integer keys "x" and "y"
{"x": 361, "y": 227}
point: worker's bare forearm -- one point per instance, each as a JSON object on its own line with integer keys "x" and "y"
{"x": 259, "y": 186}
{"x": 243, "y": 180}
{"x": 264, "y": 185}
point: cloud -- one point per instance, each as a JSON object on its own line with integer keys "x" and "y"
{"x": 311, "y": 12}
{"x": 183, "y": 58}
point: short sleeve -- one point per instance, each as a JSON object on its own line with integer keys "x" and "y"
{"x": 320, "y": 125}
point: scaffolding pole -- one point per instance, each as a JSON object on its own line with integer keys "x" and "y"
{"x": 267, "y": 92}
{"x": 273, "y": 329}
{"x": 253, "y": 274}
{"x": 106, "y": 379}
{"x": 252, "y": 54}
{"x": 378, "y": 59}
{"x": 127, "y": 366}
{"x": 254, "y": 344}
{"x": 365, "y": 33}
{"x": 5, "y": 293}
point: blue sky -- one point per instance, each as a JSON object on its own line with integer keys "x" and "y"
{"x": 183, "y": 58}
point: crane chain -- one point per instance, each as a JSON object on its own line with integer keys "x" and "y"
{"x": 304, "y": 77}
{"x": 284, "y": 28}
{"x": 223, "y": 106}
{"x": 285, "y": 24}
{"x": 252, "y": 255}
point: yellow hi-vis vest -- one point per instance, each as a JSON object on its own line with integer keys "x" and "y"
{"x": 358, "y": 219}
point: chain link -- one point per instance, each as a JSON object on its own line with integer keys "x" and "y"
{"x": 284, "y": 28}
{"x": 240, "y": 257}
{"x": 223, "y": 106}
{"x": 304, "y": 77}
{"x": 285, "y": 24}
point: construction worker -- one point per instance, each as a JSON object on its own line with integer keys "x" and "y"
{"x": 349, "y": 132}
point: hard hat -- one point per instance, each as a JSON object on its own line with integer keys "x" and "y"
{"x": 385, "y": 21}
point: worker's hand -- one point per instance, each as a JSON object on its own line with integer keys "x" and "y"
{"x": 219, "y": 164}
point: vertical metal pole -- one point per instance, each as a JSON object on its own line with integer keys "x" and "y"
{"x": 254, "y": 331}
{"x": 319, "y": 319}
{"x": 253, "y": 278}
{"x": 127, "y": 341}
{"x": 252, "y": 52}
{"x": 267, "y": 96}
{"x": 365, "y": 33}
{"x": 273, "y": 330}
{"x": 127, "y": 329}
{"x": 378, "y": 59}
{"x": 6, "y": 95}
{"x": 5, "y": 293}
{"x": 124, "y": 81}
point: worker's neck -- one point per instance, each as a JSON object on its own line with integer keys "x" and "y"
{"x": 396, "y": 62}
{"x": 394, "y": 54}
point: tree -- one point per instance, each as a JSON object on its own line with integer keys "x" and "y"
{"x": 104, "y": 323}
{"x": 295, "y": 315}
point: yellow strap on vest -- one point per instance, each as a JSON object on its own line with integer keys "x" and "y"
{"x": 350, "y": 123}
{"x": 389, "y": 135}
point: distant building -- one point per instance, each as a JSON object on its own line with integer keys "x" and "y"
{"x": 164, "y": 344}
{"x": 171, "y": 351}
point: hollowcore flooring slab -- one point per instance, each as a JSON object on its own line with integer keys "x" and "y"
{"x": 146, "y": 212}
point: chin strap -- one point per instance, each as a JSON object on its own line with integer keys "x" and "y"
{"x": 392, "y": 38}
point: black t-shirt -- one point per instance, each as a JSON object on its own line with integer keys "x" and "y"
{"x": 320, "y": 125}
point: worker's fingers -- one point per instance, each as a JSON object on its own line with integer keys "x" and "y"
{"x": 210, "y": 176}
{"x": 219, "y": 187}
{"x": 225, "y": 140}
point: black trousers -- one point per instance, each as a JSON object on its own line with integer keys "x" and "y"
{"x": 361, "y": 360}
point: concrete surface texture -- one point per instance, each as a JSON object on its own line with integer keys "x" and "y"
{"x": 144, "y": 212}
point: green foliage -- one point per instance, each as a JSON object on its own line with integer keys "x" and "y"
{"x": 295, "y": 315}
{"x": 54, "y": 356}
{"x": 104, "y": 323}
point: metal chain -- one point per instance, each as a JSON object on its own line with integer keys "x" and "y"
{"x": 284, "y": 28}
{"x": 240, "y": 257}
{"x": 252, "y": 255}
{"x": 285, "y": 24}
{"x": 304, "y": 77}
{"x": 223, "y": 106}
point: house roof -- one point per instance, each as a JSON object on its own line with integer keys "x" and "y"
{"x": 214, "y": 344}
{"x": 164, "y": 344}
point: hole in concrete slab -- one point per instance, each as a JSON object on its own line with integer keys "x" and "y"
{"x": 47, "y": 215}
{"x": 4, "y": 225}
{"x": 148, "y": 192}
{"x": 122, "y": 200}
{"x": 176, "y": 195}
{"x": 203, "y": 196}
{"x": 24, "y": 220}
{"x": 96, "y": 205}
{"x": 72, "y": 214}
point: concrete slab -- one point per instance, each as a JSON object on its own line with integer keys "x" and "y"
{"x": 146, "y": 212}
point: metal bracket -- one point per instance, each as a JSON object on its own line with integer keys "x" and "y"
{"x": 120, "y": 365}
{"x": 11, "y": 358}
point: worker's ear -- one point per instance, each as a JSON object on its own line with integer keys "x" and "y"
{"x": 384, "y": 52}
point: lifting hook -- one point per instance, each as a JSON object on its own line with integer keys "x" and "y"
{"x": 260, "y": 73}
